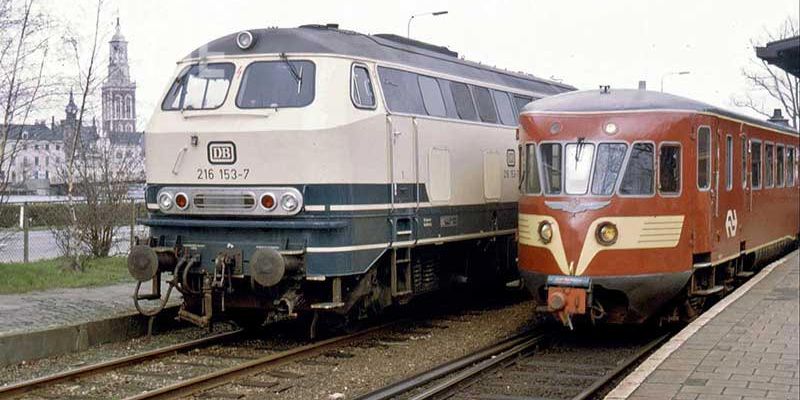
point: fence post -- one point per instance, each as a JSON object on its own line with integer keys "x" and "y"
{"x": 25, "y": 233}
{"x": 133, "y": 223}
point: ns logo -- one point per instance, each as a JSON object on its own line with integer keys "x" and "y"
{"x": 731, "y": 222}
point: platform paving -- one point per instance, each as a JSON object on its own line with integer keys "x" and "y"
{"x": 749, "y": 348}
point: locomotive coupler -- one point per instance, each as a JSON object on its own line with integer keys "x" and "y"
{"x": 568, "y": 295}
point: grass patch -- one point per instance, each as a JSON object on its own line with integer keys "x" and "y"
{"x": 49, "y": 274}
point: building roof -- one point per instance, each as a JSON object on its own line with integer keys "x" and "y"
{"x": 33, "y": 132}
{"x": 389, "y": 48}
{"x": 635, "y": 100}
{"x": 784, "y": 54}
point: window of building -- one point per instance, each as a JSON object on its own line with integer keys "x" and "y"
{"x": 669, "y": 169}
{"x": 551, "y": 167}
{"x": 361, "y": 88}
{"x": 486, "y": 110}
{"x": 432, "y": 96}
{"x": 578, "y": 159}
{"x": 779, "y": 165}
{"x": 275, "y": 84}
{"x": 755, "y": 164}
{"x": 639, "y": 173}
{"x": 47, "y": 161}
{"x": 607, "y": 166}
{"x": 119, "y": 154}
{"x": 47, "y": 147}
{"x": 36, "y": 161}
{"x": 504, "y": 108}
{"x": 728, "y": 162}
{"x": 744, "y": 161}
{"x": 36, "y": 147}
{"x": 769, "y": 164}
{"x": 790, "y": 166}
{"x": 520, "y": 101}
{"x": 704, "y": 158}
{"x": 58, "y": 147}
{"x": 463, "y": 100}
{"x": 532, "y": 185}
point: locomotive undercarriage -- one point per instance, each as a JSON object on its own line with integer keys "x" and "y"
{"x": 264, "y": 297}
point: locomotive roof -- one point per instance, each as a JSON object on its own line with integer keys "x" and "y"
{"x": 389, "y": 48}
{"x": 636, "y": 100}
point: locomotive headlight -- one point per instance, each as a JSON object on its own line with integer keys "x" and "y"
{"x": 245, "y": 40}
{"x": 289, "y": 202}
{"x": 607, "y": 233}
{"x": 545, "y": 232}
{"x": 165, "y": 201}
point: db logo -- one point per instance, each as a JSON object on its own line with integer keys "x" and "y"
{"x": 221, "y": 153}
{"x": 730, "y": 223}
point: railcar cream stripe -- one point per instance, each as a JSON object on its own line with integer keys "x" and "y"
{"x": 638, "y": 376}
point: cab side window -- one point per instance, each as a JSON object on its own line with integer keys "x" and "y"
{"x": 769, "y": 161}
{"x": 755, "y": 164}
{"x": 779, "y": 164}
{"x": 361, "y": 88}
{"x": 669, "y": 169}
{"x": 790, "y": 163}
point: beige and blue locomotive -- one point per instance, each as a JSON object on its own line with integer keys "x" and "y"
{"x": 320, "y": 171}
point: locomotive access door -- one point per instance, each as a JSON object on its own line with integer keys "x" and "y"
{"x": 404, "y": 174}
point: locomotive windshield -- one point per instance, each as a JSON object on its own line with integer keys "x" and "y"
{"x": 199, "y": 87}
{"x": 273, "y": 84}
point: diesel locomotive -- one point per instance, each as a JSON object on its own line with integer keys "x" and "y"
{"x": 638, "y": 204}
{"x": 319, "y": 171}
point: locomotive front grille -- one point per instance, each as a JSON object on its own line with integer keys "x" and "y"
{"x": 225, "y": 201}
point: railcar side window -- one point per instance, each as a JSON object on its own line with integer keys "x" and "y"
{"x": 669, "y": 169}
{"x": 790, "y": 159}
{"x": 432, "y": 96}
{"x": 755, "y": 167}
{"x": 728, "y": 162}
{"x": 744, "y": 161}
{"x": 272, "y": 84}
{"x": 704, "y": 158}
{"x": 520, "y": 101}
{"x": 504, "y": 108}
{"x": 551, "y": 167}
{"x": 463, "y": 99}
{"x": 779, "y": 164}
{"x": 361, "y": 88}
{"x": 531, "y": 171}
{"x": 577, "y": 167}
{"x": 769, "y": 162}
{"x": 607, "y": 165}
{"x": 483, "y": 99}
{"x": 639, "y": 173}
{"x": 199, "y": 87}
{"x": 401, "y": 90}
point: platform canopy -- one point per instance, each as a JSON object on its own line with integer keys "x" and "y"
{"x": 784, "y": 54}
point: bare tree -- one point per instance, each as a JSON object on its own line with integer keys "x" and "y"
{"x": 777, "y": 84}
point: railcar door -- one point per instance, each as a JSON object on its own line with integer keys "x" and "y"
{"x": 403, "y": 173}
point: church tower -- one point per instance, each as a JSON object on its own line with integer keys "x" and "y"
{"x": 119, "y": 93}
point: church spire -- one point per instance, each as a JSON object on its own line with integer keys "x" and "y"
{"x": 72, "y": 108}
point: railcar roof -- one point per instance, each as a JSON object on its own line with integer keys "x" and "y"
{"x": 389, "y": 48}
{"x": 636, "y": 100}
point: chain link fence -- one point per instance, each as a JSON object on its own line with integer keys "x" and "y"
{"x": 34, "y": 231}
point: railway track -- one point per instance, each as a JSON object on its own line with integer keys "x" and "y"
{"x": 531, "y": 365}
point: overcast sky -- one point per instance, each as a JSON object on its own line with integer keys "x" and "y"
{"x": 585, "y": 43}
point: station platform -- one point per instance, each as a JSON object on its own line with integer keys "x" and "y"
{"x": 745, "y": 347}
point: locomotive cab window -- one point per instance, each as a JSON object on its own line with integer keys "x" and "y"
{"x": 432, "y": 96}
{"x": 361, "y": 88}
{"x": 275, "y": 84}
{"x": 607, "y": 165}
{"x": 578, "y": 159}
{"x": 669, "y": 169}
{"x": 779, "y": 165}
{"x": 639, "y": 172}
{"x": 551, "y": 167}
{"x": 199, "y": 87}
{"x": 704, "y": 158}
{"x": 769, "y": 164}
{"x": 531, "y": 172}
{"x": 755, "y": 164}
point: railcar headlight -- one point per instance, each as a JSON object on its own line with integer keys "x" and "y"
{"x": 245, "y": 40}
{"x": 289, "y": 202}
{"x": 607, "y": 233}
{"x": 545, "y": 232}
{"x": 165, "y": 201}
{"x": 181, "y": 201}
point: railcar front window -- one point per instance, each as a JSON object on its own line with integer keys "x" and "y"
{"x": 755, "y": 168}
{"x": 275, "y": 84}
{"x": 610, "y": 157}
{"x": 769, "y": 160}
{"x": 551, "y": 167}
{"x": 199, "y": 87}
{"x": 577, "y": 167}
{"x": 704, "y": 158}
{"x": 669, "y": 169}
{"x": 532, "y": 185}
{"x": 779, "y": 164}
{"x": 638, "y": 178}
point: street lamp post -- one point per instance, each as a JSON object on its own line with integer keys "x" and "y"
{"x": 669, "y": 74}
{"x": 434, "y": 13}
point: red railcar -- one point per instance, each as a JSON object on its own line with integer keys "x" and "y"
{"x": 639, "y": 203}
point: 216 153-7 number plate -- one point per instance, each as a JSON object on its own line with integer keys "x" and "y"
{"x": 222, "y": 174}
